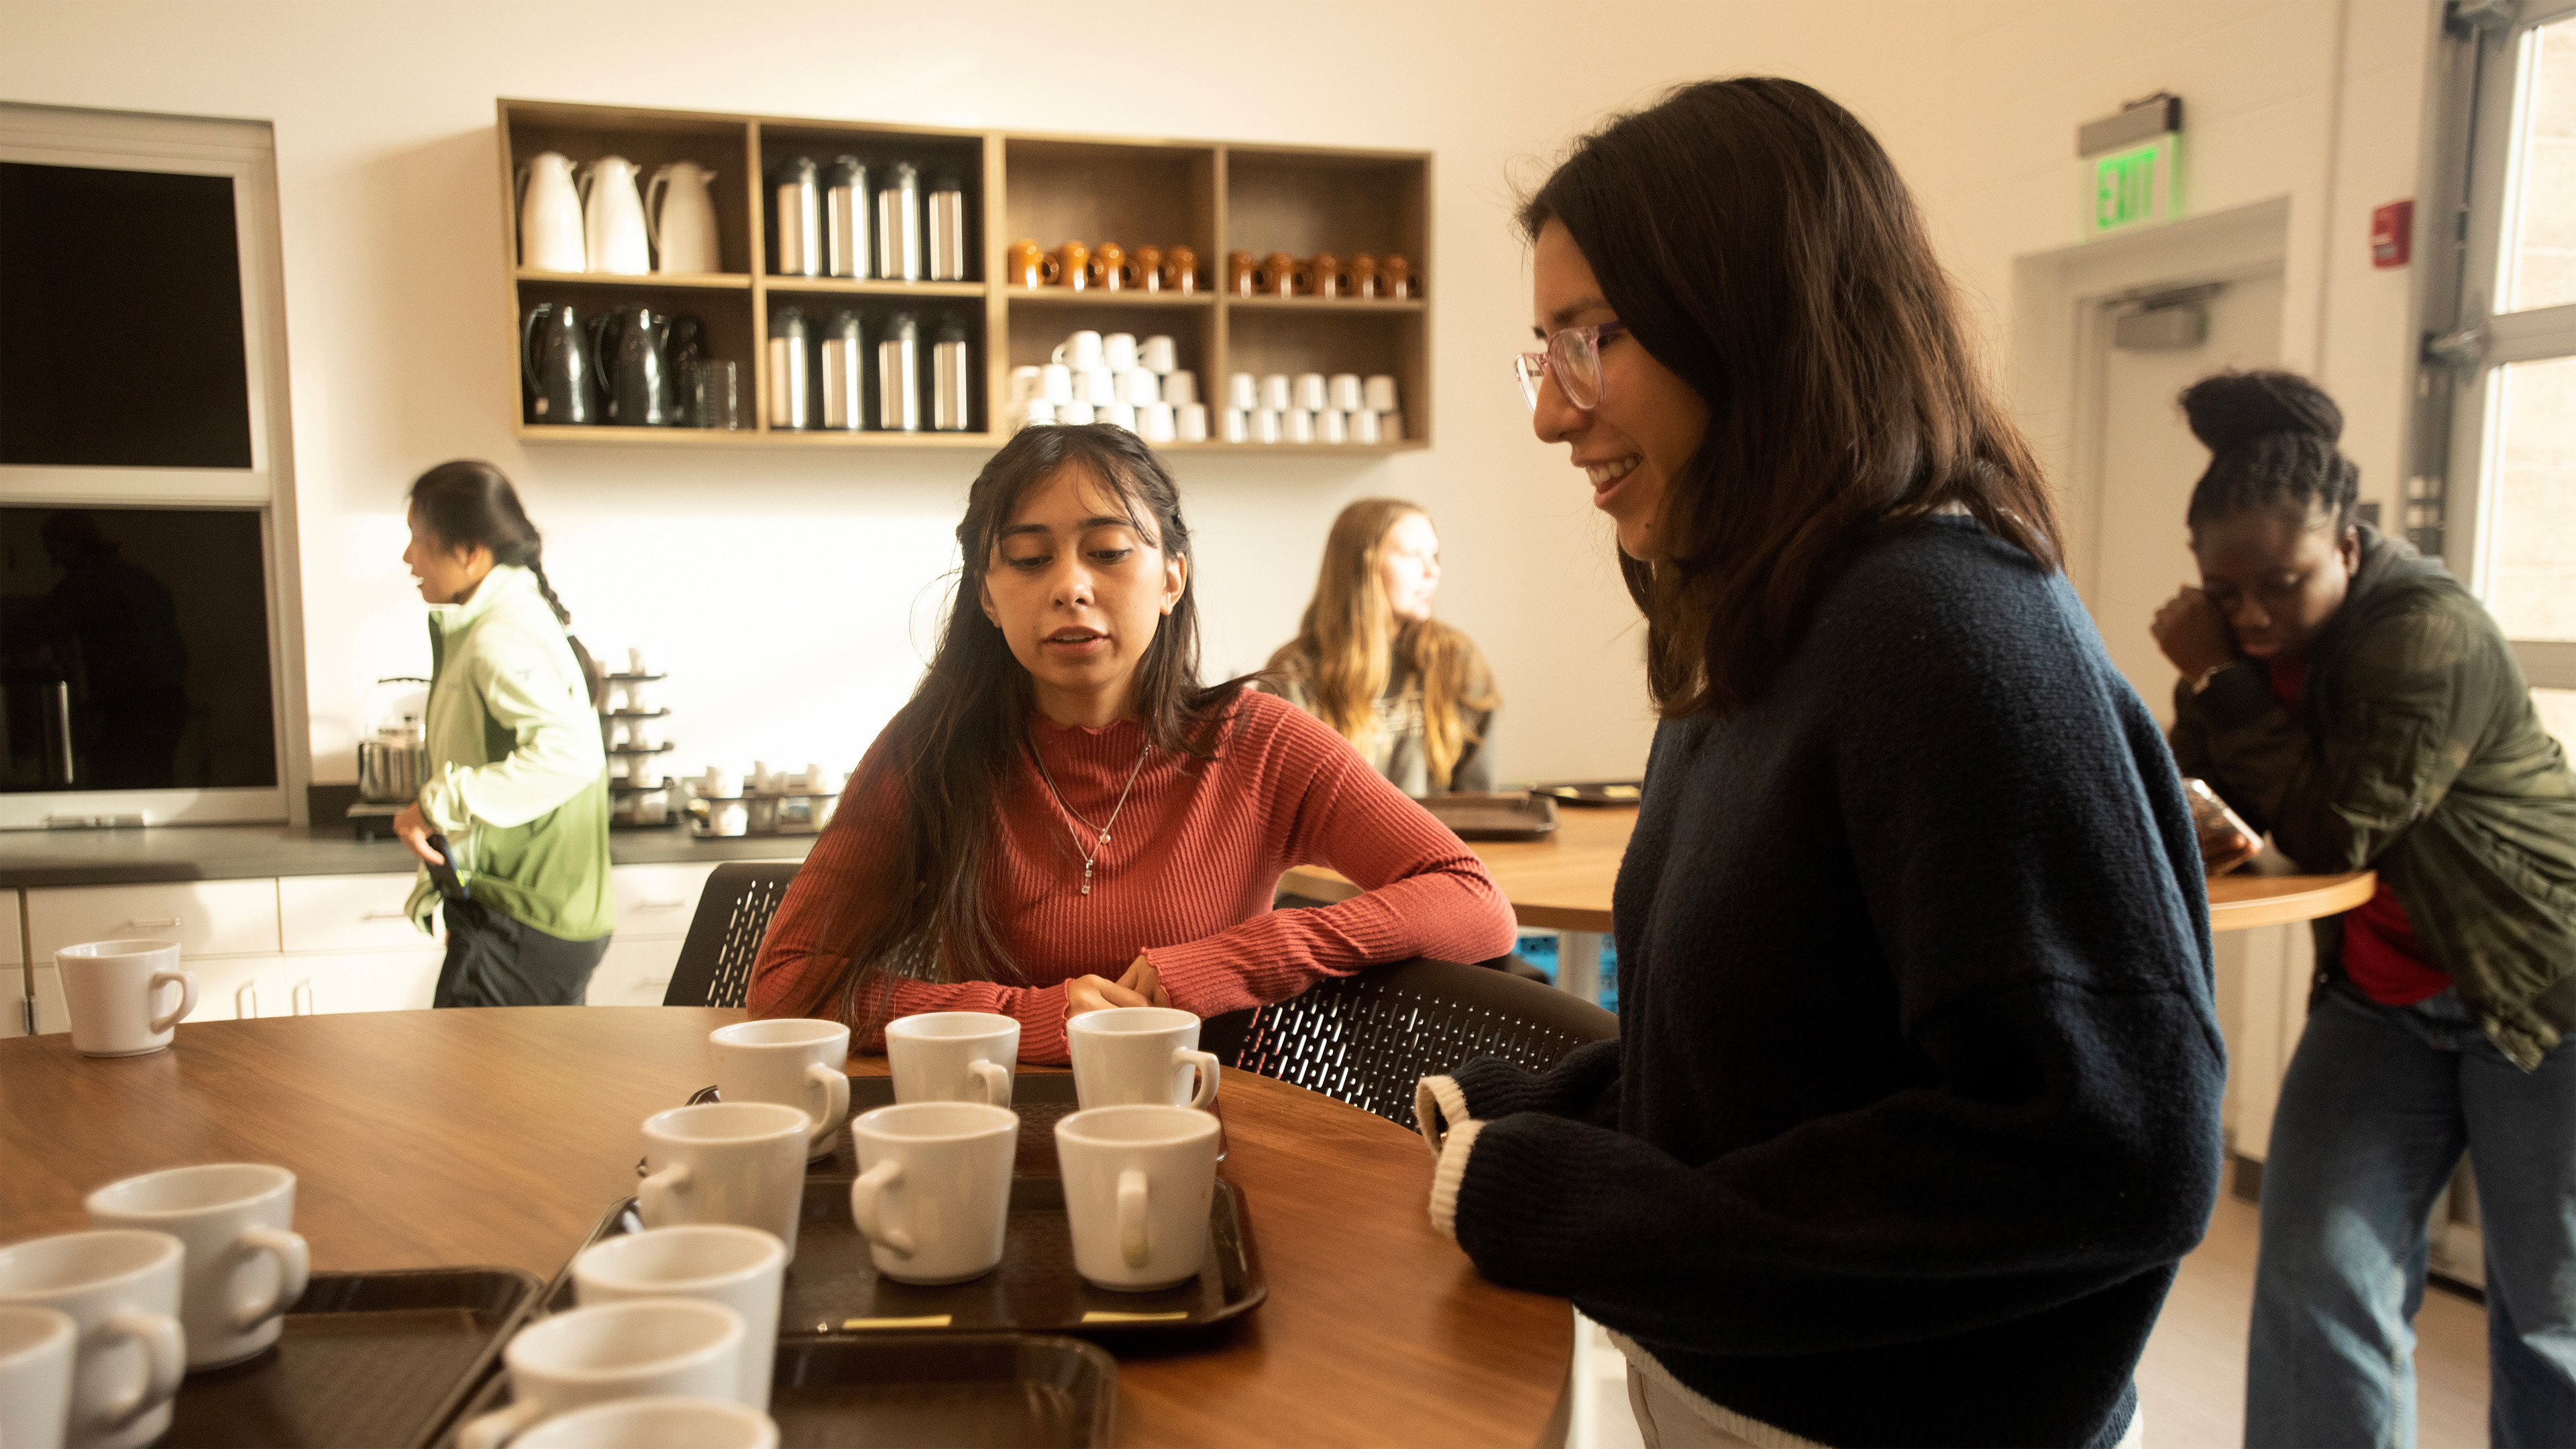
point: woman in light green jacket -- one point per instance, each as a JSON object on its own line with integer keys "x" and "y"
{"x": 516, "y": 784}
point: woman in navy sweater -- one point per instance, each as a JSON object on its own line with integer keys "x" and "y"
{"x": 1914, "y": 1105}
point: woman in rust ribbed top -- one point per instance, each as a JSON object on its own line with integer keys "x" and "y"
{"x": 1063, "y": 820}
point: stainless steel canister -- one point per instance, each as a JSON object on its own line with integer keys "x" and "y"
{"x": 842, "y": 364}
{"x": 899, "y": 375}
{"x": 899, "y": 224}
{"x": 392, "y": 764}
{"x": 790, "y": 384}
{"x": 845, "y": 218}
{"x": 796, "y": 219}
{"x": 945, "y": 221}
{"x": 949, "y": 370}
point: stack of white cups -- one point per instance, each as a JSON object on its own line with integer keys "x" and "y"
{"x": 1312, "y": 408}
{"x": 1116, "y": 378}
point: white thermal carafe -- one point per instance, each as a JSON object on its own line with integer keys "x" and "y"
{"x": 844, "y": 365}
{"x": 796, "y": 219}
{"x": 845, "y": 218}
{"x": 899, "y": 375}
{"x": 790, "y": 386}
{"x": 899, "y": 224}
{"x": 946, "y": 224}
{"x": 949, "y": 370}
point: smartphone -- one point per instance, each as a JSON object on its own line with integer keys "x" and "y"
{"x": 2226, "y": 841}
{"x": 451, "y": 886}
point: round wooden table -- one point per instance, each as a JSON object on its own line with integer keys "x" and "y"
{"x": 1565, "y": 882}
{"x": 430, "y": 1138}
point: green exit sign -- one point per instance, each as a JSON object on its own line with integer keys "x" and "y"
{"x": 2131, "y": 187}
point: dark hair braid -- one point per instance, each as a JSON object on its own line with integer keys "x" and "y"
{"x": 469, "y": 503}
{"x": 2271, "y": 439}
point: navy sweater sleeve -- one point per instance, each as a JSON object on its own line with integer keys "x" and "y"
{"x": 1947, "y": 858}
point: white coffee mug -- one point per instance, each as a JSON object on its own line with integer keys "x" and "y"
{"x": 740, "y": 1268}
{"x": 246, "y": 1265}
{"x": 1377, "y": 393}
{"x": 1363, "y": 427}
{"x": 1238, "y": 426}
{"x": 1139, "y": 387}
{"x": 663, "y": 1421}
{"x": 1155, "y": 422}
{"x": 1300, "y": 426}
{"x": 1278, "y": 393}
{"x": 1040, "y": 413}
{"x": 1330, "y": 427}
{"x": 650, "y": 1347}
{"x": 1133, "y": 1054}
{"x": 116, "y": 991}
{"x": 1076, "y": 414}
{"x": 1138, "y": 1185}
{"x": 1189, "y": 422}
{"x": 37, "y": 1349}
{"x": 1343, "y": 393}
{"x": 120, "y": 1289}
{"x": 1390, "y": 427}
{"x": 953, "y": 1056}
{"x": 1097, "y": 386}
{"x": 1265, "y": 425}
{"x": 1080, "y": 351}
{"x": 795, "y": 1062}
{"x": 933, "y": 1194}
{"x": 1118, "y": 351}
{"x": 1055, "y": 383}
{"x": 1180, "y": 387}
{"x": 726, "y": 1162}
{"x": 1310, "y": 392}
{"x": 1116, "y": 415}
{"x": 1243, "y": 392}
{"x": 1026, "y": 382}
{"x": 1158, "y": 354}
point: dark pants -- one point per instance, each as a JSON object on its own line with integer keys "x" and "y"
{"x": 493, "y": 960}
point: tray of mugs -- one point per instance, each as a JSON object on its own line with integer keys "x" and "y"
{"x": 935, "y": 1391}
{"x": 1040, "y": 1098}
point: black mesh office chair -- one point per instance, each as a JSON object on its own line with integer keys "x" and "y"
{"x": 1366, "y": 1039}
{"x": 733, "y": 914}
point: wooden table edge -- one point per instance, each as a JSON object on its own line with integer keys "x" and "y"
{"x": 2283, "y": 899}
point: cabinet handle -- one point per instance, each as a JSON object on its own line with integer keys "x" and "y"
{"x": 382, "y": 916}
{"x": 299, "y": 999}
{"x": 173, "y": 923}
{"x": 246, "y": 1001}
{"x": 663, "y": 905}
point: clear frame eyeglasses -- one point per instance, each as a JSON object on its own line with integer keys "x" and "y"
{"x": 1573, "y": 356}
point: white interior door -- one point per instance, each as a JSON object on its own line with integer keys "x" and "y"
{"x": 2148, "y": 461}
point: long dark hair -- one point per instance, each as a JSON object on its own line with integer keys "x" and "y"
{"x": 1755, "y": 238}
{"x": 2271, "y": 439}
{"x": 967, "y": 724}
{"x": 469, "y": 503}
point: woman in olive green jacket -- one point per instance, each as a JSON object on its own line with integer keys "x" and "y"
{"x": 2353, "y": 699}
{"x": 517, "y": 782}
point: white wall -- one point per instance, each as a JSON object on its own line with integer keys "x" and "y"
{"x": 779, "y": 589}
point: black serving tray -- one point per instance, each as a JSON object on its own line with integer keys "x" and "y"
{"x": 1513, "y": 816}
{"x": 364, "y": 1360}
{"x": 1594, "y": 794}
{"x": 919, "y": 1391}
{"x": 832, "y": 1288}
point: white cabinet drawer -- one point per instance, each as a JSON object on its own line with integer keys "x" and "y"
{"x": 656, "y": 900}
{"x": 377, "y": 981}
{"x": 346, "y": 913}
{"x": 633, "y": 973}
{"x": 206, "y": 918}
{"x": 12, "y": 945}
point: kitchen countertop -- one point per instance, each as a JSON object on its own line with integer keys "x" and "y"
{"x": 232, "y": 852}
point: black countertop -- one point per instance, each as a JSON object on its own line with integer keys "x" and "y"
{"x": 233, "y": 852}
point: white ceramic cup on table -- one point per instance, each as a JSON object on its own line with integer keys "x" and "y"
{"x": 740, "y": 1268}
{"x": 649, "y": 1347}
{"x": 933, "y": 1194}
{"x": 1140, "y": 1054}
{"x": 1118, "y": 351}
{"x": 246, "y": 1264}
{"x": 1377, "y": 392}
{"x": 726, "y": 1162}
{"x": 664, "y": 1421}
{"x": 953, "y": 1056}
{"x": 1138, "y": 1185}
{"x": 1080, "y": 351}
{"x": 1158, "y": 354}
{"x": 37, "y": 1349}
{"x": 120, "y": 994}
{"x": 120, "y": 1289}
{"x": 1190, "y": 422}
{"x": 793, "y": 1061}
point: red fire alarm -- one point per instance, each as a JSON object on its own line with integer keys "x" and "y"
{"x": 2392, "y": 234}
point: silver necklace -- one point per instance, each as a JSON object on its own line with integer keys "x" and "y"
{"x": 1093, "y": 853}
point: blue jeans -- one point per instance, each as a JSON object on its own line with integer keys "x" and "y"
{"x": 2379, "y": 1103}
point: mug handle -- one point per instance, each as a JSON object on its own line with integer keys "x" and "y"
{"x": 500, "y": 1426}
{"x": 186, "y": 981}
{"x": 653, "y": 1195}
{"x": 835, "y": 1086}
{"x": 294, "y": 1266}
{"x": 1050, "y": 267}
{"x": 1133, "y": 1243}
{"x": 867, "y": 1203}
{"x": 1205, "y": 1095}
{"x": 996, "y": 1080}
{"x": 1056, "y": 358}
{"x": 165, "y": 1360}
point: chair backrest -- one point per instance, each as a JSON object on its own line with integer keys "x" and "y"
{"x": 733, "y": 914}
{"x": 1367, "y": 1038}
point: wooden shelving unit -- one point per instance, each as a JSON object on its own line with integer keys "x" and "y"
{"x": 1213, "y": 197}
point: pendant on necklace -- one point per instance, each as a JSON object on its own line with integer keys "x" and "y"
{"x": 1086, "y": 877}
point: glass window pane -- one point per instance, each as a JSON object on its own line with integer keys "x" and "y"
{"x": 2540, "y": 239}
{"x": 2531, "y": 567}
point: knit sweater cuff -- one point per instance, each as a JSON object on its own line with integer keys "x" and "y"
{"x": 1449, "y": 1175}
{"x": 1489, "y": 1087}
{"x": 1439, "y": 1108}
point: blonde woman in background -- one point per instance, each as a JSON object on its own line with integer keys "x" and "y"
{"x": 1410, "y": 693}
